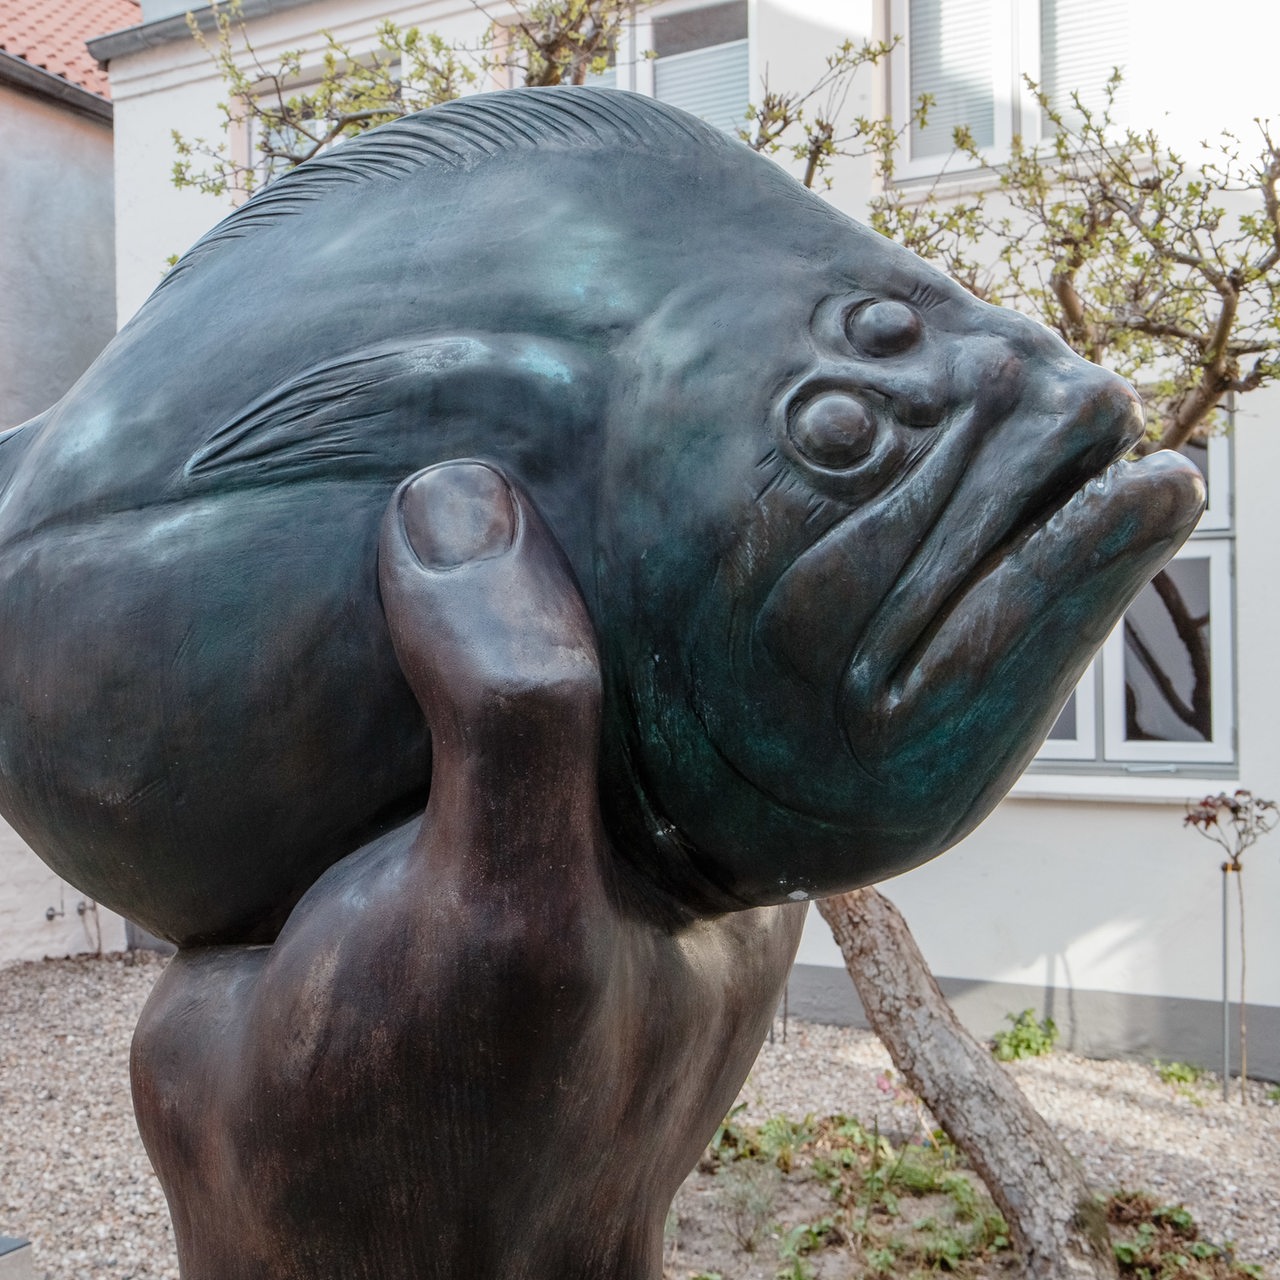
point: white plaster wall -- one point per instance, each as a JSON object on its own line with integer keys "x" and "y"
{"x": 1104, "y": 896}
{"x": 27, "y": 889}
{"x": 57, "y": 297}
{"x": 1188, "y": 91}
{"x": 792, "y": 40}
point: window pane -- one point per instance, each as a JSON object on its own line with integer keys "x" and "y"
{"x": 607, "y": 79}
{"x": 1081, "y": 41}
{"x": 1064, "y": 727}
{"x": 711, "y": 83}
{"x": 1167, "y": 658}
{"x": 700, "y": 28}
{"x": 950, "y": 57}
{"x": 1199, "y": 454}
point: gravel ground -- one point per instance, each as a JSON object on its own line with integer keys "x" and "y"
{"x": 75, "y": 1180}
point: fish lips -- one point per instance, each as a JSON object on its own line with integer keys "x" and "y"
{"x": 962, "y": 665}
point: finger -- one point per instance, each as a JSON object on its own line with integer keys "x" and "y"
{"x": 494, "y": 640}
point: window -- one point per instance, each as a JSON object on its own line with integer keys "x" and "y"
{"x": 274, "y": 145}
{"x": 1161, "y": 693}
{"x": 697, "y": 59}
{"x": 280, "y": 141}
{"x": 971, "y": 57}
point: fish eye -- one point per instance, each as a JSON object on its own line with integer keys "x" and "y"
{"x": 883, "y": 328}
{"x": 834, "y": 430}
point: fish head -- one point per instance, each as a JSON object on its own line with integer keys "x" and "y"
{"x": 862, "y": 534}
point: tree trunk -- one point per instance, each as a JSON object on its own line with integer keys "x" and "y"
{"x": 1053, "y": 1217}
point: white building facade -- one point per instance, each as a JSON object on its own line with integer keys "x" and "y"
{"x": 1083, "y": 896}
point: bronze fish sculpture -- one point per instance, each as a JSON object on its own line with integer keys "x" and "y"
{"x": 847, "y": 535}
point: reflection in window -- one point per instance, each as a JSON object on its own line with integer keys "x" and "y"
{"x": 1167, "y": 658}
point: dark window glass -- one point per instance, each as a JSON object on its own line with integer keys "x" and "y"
{"x": 1166, "y": 657}
{"x": 700, "y": 28}
{"x": 1064, "y": 727}
{"x": 1199, "y": 454}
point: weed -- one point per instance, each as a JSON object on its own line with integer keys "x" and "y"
{"x": 795, "y": 1269}
{"x": 916, "y": 1173}
{"x": 963, "y": 1196}
{"x": 747, "y": 1192}
{"x": 797, "y": 1242}
{"x": 1184, "y": 1077}
{"x": 881, "y": 1260}
{"x": 945, "y": 1248}
{"x": 1273, "y": 1094}
{"x": 992, "y": 1231}
{"x": 732, "y": 1141}
{"x": 1178, "y": 1072}
{"x": 1162, "y": 1242}
{"x": 1026, "y": 1038}
{"x": 779, "y": 1139}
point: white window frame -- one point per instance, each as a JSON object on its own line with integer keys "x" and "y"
{"x": 634, "y": 68}
{"x": 1084, "y": 746}
{"x": 1003, "y": 71}
{"x": 1015, "y": 53}
{"x": 1100, "y": 743}
{"x": 1221, "y": 748}
{"x": 1218, "y": 514}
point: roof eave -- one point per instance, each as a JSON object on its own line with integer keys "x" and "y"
{"x": 147, "y": 35}
{"x": 18, "y": 73}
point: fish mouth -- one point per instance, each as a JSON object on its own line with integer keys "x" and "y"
{"x": 1049, "y": 574}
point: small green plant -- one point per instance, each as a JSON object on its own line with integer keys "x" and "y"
{"x": 732, "y": 1141}
{"x": 1184, "y": 1077}
{"x": 963, "y": 1196}
{"x": 1273, "y": 1094}
{"x": 796, "y": 1243}
{"x": 1026, "y": 1037}
{"x": 747, "y": 1193}
{"x": 1153, "y": 1241}
{"x": 781, "y": 1139}
{"x": 881, "y": 1260}
{"x": 1185, "y": 1073}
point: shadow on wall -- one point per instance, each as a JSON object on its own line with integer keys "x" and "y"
{"x": 1094, "y": 1024}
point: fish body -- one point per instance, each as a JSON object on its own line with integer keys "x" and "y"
{"x": 848, "y": 536}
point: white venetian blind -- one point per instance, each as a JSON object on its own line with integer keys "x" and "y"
{"x": 950, "y": 59}
{"x": 1081, "y": 41}
{"x": 606, "y": 79}
{"x": 712, "y": 83}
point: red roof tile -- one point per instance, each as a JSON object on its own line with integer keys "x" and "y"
{"x": 51, "y": 34}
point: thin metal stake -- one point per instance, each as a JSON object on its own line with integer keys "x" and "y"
{"x": 1226, "y": 1005}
